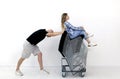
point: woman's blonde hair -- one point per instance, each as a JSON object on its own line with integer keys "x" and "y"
{"x": 63, "y": 19}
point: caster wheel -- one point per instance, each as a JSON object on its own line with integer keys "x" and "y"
{"x": 83, "y": 71}
{"x": 63, "y": 74}
{"x": 82, "y": 74}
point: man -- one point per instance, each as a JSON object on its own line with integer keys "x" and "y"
{"x": 30, "y": 46}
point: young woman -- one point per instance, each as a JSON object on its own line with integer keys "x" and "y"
{"x": 74, "y": 31}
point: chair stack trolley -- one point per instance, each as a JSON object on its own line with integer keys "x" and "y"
{"x": 74, "y": 52}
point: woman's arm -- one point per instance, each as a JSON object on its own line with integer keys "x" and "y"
{"x": 68, "y": 25}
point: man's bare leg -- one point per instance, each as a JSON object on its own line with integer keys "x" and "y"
{"x": 20, "y": 61}
{"x": 41, "y": 62}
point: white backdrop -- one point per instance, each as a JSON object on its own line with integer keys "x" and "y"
{"x": 19, "y": 18}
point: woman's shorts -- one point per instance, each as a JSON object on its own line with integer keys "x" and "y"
{"x": 29, "y": 49}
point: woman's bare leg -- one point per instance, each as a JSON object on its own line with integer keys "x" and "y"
{"x": 88, "y": 40}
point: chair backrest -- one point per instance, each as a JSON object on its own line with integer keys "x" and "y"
{"x": 65, "y": 38}
{"x": 62, "y": 43}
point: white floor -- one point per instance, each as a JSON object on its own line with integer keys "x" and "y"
{"x": 55, "y": 73}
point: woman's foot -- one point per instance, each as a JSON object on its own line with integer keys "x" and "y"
{"x": 90, "y": 35}
{"x": 92, "y": 44}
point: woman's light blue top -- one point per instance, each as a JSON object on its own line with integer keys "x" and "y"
{"x": 72, "y": 30}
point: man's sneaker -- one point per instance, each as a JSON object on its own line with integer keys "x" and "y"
{"x": 90, "y": 35}
{"x": 92, "y": 44}
{"x": 18, "y": 73}
{"x": 43, "y": 70}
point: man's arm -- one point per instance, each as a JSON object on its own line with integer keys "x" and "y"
{"x": 54, "y": 34}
